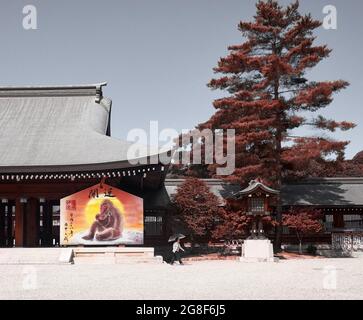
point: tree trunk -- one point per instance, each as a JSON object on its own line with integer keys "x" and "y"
{"x": 278, "y": 138}
{"x": 277, "y": 242}
{"x": 192, "y": 243}
{"x": 299, "y": 238}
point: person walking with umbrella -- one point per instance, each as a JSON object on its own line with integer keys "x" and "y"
{"x": 176, "y": 249}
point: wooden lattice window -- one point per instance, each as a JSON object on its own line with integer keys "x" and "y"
{"x": 153, "y": 225}
{"x": 257, "y": 205}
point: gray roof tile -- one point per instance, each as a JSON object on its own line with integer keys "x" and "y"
{"x": 56, "y": 126}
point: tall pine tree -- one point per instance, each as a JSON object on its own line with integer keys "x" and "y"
{"x": 269, "y": 97}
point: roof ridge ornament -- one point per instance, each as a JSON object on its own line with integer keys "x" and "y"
{"x": 99, "y": 93}
{"x": 255, "y": 181}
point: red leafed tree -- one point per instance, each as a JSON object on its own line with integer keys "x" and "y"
{"x": 236, "y": 224}
{"x": 302, "y": 222}
{"x": 269, "y": 98}
{"x": 354, "y": 167}
{"x": 197, "y": 207}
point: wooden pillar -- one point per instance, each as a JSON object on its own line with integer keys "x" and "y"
{"x": 10, "y": 232}
{"x": 19, "y": 223}
{"x": 32, "y": 223}
{"x": 2, "y": 224}
{"x": 47, "y": 223}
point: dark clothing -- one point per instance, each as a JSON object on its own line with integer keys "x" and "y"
{"x": 176, "y": 256}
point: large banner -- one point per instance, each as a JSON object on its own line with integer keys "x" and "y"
{"x": 101, "y": 215}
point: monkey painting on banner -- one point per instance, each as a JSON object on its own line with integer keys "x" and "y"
{"x": 101, "y": 215}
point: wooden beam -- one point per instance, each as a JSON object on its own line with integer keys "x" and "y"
{"x": 49, "y": 190}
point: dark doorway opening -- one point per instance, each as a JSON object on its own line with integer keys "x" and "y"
{"x": 7, "y": 224}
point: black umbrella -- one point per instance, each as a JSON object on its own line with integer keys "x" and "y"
{"x": 176, "y": 236}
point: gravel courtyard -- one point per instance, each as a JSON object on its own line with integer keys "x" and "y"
{"x": 288, "y": 279}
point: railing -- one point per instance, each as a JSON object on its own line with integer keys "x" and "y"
{"x": 256, "y": 212}
{"x": 353, "y": 224}
{"x": 328, "y": 226}
{"x": 348, "y": 241}
{"x": 232, "y": 247}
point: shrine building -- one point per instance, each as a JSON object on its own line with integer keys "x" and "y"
{"x": 56, "y": 141}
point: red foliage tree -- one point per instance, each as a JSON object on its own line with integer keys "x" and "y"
{"x": 269, "y": 97}
{"x": 354, "y": 167}
{"x": 235, "y": 224}
{"x": 358, "y": 158}
{"x": 302, "y": 222}
{"x": 351, "y": 169}
{"x": 197, "y": 207}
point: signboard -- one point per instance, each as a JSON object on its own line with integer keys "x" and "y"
{"x": 101, "y": 215}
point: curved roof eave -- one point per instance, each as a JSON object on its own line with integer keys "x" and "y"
{"x": 255, "y": 186}
{"x": 87, "y": 167}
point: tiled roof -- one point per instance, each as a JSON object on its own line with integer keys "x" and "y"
{"x": 43, "y": 128}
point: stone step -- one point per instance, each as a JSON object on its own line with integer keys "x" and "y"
{"x": 115, "y": 255}
{"x": 106, "y": 255}
{"x": 94, "y": 260}
{"x": 156, "y": 259}
{"x": 114, "y": 260}
{"x": 35, "y": 255}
